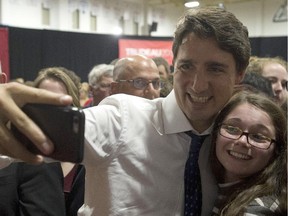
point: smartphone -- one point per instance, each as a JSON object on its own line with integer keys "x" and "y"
{"x": 64, "y": 125}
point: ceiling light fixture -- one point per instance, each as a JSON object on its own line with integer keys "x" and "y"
{"x": 191, "y": 4}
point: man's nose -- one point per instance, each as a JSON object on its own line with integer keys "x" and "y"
{"x": 200, "y": 83}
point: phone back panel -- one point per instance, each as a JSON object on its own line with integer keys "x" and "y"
{"x": 63, "y": 125}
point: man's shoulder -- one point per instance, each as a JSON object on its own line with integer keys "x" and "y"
{"x": 131, "y": 99}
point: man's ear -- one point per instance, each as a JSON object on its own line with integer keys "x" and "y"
{"x": 3, "y": 78}
{"x": 239, "y": 77}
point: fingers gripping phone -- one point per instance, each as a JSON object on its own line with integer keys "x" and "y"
{"x": 63, "y": 125}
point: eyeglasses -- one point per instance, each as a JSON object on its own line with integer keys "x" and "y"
{"x": 256, "y": 140}
{"x": 140, "y": 83}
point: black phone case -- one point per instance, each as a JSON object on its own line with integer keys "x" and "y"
{"x": 63, "y": 125}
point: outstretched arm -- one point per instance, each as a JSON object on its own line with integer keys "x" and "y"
{"x": 12, "y": 97}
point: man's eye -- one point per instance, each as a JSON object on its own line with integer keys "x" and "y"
{"x": 140, "y": 82}
{"x": 216, "y": 69}
{"x": 188, "y": 68}
{"x": 184, "y": 67}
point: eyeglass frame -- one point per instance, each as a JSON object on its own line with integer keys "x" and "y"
{"x": 220, "y": 126}
{"x": 147, "y": 82}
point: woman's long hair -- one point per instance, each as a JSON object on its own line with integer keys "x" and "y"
{"x": 71, "y": 81}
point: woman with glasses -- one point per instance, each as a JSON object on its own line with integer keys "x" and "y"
{"x": 249, "y": 157}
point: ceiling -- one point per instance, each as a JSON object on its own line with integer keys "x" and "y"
{"x": 202, "y": 2}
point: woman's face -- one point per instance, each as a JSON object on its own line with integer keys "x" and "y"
{"x": 278, "y": 76}
{"x": 238, "y": 157}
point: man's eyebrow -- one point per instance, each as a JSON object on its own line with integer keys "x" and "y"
{"x": 214, "y": 63}
{"x": 185, "y": 60}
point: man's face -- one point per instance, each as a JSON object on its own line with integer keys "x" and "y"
{"x": 204, "y": 79}
{"x": 101, "y": 90}
{"x": 145, "y": 71}
{"x": 162, "y": 71}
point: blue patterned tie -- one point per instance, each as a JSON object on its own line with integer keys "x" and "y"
{"x": 193, "y": 196}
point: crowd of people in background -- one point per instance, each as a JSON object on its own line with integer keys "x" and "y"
{"x": 132, "y": 75}
{"x": 265, "y": 74}
{"x": 246, "y": 125}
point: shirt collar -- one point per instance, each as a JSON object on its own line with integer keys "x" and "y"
{"x": 174, "y": 120}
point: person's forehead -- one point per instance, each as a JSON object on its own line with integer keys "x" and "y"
{"x": 194, "y": 49}
{"x": 144, "y": 74}
{"x": 274, "y": 66}
{"x": 139, "y": 70}
{"x": 250, "y": 113}
{"x": 53, "y": 85}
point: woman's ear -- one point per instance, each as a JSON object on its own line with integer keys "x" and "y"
{"x": 3, "y": 78}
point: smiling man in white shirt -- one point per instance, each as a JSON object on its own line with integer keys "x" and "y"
{"x": 136, "y": 149}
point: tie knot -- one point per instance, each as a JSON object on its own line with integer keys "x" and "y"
{"x": 196, "y": 141}
{"x": 197, "y": 138}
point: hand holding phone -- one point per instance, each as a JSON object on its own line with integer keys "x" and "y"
{"x": 64, "y": 125}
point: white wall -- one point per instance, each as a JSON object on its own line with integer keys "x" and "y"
{"x": 257, "y": 15}
{"x": 19, "y": 13}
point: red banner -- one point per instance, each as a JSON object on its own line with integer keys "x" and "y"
{"x": 4, "y": 51}
{"x": 149, "y": 48}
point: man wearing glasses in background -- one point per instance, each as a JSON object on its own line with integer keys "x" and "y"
{"x": 99, "y": 79}
{"x": 136, "y": 75}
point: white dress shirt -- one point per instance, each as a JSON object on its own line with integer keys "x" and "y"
{"x": 135, "y": 154}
